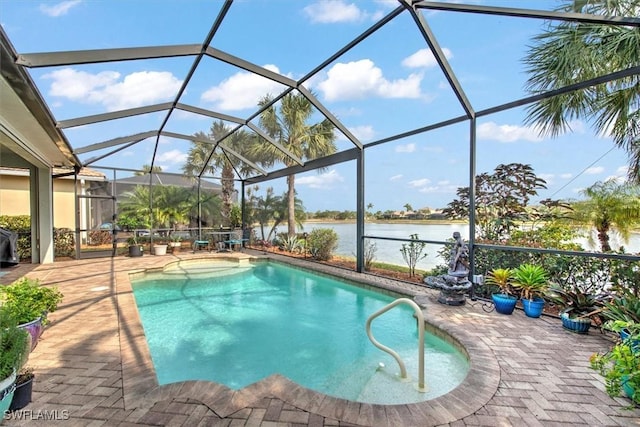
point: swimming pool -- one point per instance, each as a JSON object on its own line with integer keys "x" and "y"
{"x": 237, "y": 324}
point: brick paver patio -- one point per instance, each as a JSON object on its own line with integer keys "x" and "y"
{"x": 93, "y": 367}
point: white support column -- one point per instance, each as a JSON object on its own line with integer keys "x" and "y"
{"x": 42, "y": 247}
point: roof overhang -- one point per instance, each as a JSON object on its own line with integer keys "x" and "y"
{"x": 27, "y": 127}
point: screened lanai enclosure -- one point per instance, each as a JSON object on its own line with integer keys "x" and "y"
{"x": 413, "y": 116}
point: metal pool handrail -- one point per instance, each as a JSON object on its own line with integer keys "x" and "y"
{"x": 403, "y": 370}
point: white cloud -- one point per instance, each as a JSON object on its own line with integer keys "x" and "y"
{"x": 622, "y": 170}
{"x": 407, "y": 148}
{"x": 359, "y": 79}
{"x": 548, "y": 177}
{"x": 424, "y": 58}
{"x": 594, "y": 170}
{"x": 566, "y": 175}
{"x": 322, "y": 181}
{"x": 332, "y": 11}
{"x": 108, "y": 89}
{"x": 419, "y": 183}
{"x": 59, "y": 9}
{"x": 507, "y": 133}
{"x": 363, "y": 133}
{"x": 395, "y": 177}
{"x": 242, "y": 90}
{"x": 444, "y": 186}
{"x": 172, "y": 156}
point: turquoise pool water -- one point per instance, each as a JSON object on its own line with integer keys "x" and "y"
{"x": 237, "y": 325}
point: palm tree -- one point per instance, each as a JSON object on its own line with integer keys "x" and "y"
{"x": 609, "y": 205}
{"x": 289, "y": 128}
{"x": 172, "y": 205}
{"x": 147, "y": 168}
{"x": 239, "y": 141}
{"x": 135, "y": 204}
{"x": 572, "y": 52}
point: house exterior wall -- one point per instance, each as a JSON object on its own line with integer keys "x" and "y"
{"x": 15, "y": 199}
{"x": 14, "y": 195}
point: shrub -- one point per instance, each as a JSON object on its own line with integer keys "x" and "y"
{"x": 20, "y": 224}
{"x": 63, "y": 242}
{"x": 99, "y": 238}
{"x": 26, "y": 300}
{"x": 290, "y": 243}
{"x": 370, "y": 249}
{"x": 13, "y": 345}
{"x": 412, "y": 253}
{"x": 321, "y": 243}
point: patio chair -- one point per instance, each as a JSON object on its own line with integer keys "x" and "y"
{"x": 201, "y": 244}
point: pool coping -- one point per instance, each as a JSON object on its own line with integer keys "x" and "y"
{"x": 141, "y": 389}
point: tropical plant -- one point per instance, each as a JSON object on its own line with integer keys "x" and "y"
{"x": 530, "y": 280}
{"x": 203, "y": 159}
{"x": 501, "y": 200}
{"x": 289, "y": 128}
{"x": 171, "y": 206}
{"x": 620, "y": 368}
{"x": 568, "y": 52}
{"x": 624, "y": 307}
{"x": 289, "y": 243}
{"x": 575, "y": 303}
{"x": 412, "y": 253}
{"x": 146, "y": 169}
{"x": 321, "y": 242}
{"x": 609, "y": 205}
{"x": 500, "y": 277}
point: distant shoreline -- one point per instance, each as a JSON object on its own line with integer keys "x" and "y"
{"x": 388, "y": 221}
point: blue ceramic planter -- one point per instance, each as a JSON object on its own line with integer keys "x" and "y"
{"x": 580, "y": 326}
{"x": 532, "y": 308}
{"x": 505, "y": 304}
{"x": 7, "y": 388}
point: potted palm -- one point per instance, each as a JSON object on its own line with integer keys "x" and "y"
{"x": 532, "y": 283}
{"x": 504, "y": 300}
{"x": 14, "y": 351}
{"x": 577, "y": 308}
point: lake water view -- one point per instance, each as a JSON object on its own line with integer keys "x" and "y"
{"x": 389, "y": 251}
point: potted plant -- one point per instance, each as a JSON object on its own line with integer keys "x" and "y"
{"x": 14, "y": 351}
{"x": 628, "y": 330}
{"x": 175, "y": 242}
{"x": 531, "y": 281}
{"x": 24, "y": 389}
{"x": 623, "y": 311}
{"x": 135, "y": 248}
{"x": 504, "y": 300}
{"x": 620, "y": 368}
{"x": 160, "y": 247}
{"x": 29, "y": 303}
{"x": 577, "y": 308}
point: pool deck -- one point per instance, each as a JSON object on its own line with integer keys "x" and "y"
{"x": 93, "y": 366}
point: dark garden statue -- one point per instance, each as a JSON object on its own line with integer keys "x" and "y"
{"x": 455, "y": 283}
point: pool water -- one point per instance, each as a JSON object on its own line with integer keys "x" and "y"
{"x": 236, "y": 325}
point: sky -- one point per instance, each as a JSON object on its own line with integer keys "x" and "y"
{"x": 387, "y": 85}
